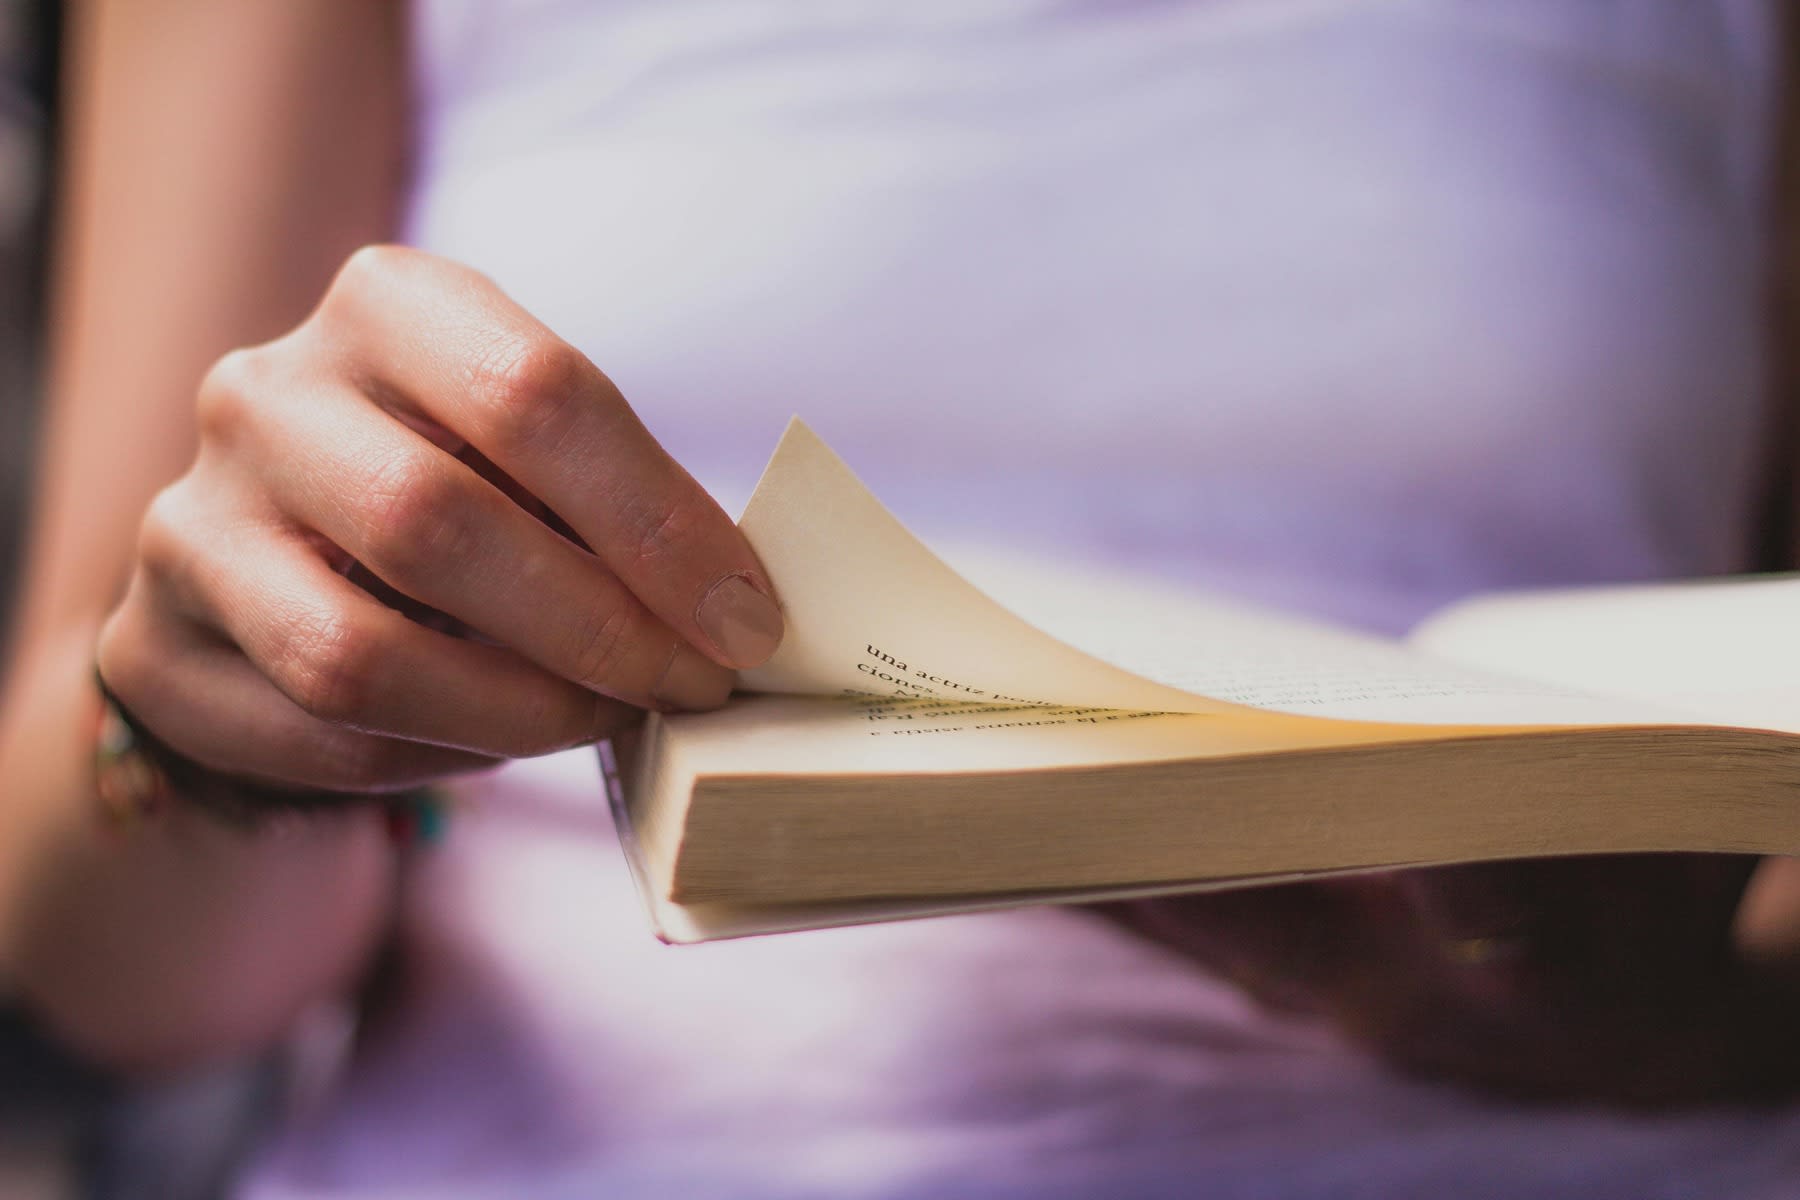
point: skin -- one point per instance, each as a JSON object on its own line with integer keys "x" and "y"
{"x": 411, "y": 434}
{"x": 307, "y": 563}
{"x": 189, "y": 147}
{"x": 1615, "y": 979}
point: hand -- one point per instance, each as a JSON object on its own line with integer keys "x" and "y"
{"x": 533, "y": 567}
{"x": 1582, "y": 978}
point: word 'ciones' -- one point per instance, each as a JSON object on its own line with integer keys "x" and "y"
{"x": 908, "y": 680}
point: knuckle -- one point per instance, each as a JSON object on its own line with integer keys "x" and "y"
{"x": 528, "y": 392}
{"x": 358, "y": 762}
{"x": 368, "y": 283}
{"x": 560, "y": 721}
{"x": 662, "y": 533}
{"x": 226, "y": 400}
{"x": 604, "y": 645}
{"x": 331, "y": 666}
{"x": 370, "y": 269}
{"x": 121, "y": 655}
{"x": 163, "y": 537}
{"x": 417, "y": 520}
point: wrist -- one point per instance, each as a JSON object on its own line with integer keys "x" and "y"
{"x": 139, "y": 777}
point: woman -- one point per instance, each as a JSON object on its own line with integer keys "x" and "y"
{"x": 1350, "y": 306}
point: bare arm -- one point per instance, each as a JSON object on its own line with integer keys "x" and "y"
{"x": 416, "y": 422}
{"x": 220, "y": 160}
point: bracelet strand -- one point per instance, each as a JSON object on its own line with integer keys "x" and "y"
{"x": 139, "y": 779}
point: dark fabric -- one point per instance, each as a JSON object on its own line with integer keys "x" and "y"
{"x": 181, "y": 1140}
{"x": 36, "y": 1078}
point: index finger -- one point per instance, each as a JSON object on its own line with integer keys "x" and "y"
{"x": 443, "y": 340}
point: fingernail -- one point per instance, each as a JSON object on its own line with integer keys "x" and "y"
{"x": 743, "y": 623}
{"x": 692, "y": 681}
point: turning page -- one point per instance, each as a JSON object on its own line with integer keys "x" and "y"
{"x": 872, "y": 612}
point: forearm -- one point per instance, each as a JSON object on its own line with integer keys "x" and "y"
{"x": 220, "y": 159}
{"x": 175, "y": 940}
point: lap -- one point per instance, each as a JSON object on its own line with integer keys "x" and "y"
{"x": 540, "y": 1042}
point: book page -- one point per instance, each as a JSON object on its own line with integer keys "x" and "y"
{"x": 871, "y": 611}
{"x": 790, "y": 736}
{"x": 1726, "y": 651}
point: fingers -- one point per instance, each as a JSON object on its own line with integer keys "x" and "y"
{"x": 443, "y": 341}
{"x": 430, "y": 527}
{"x": 1291, "y": 947}
{"x": 199, "y": 695}
{"x": 479, "y": 477}
{"x": 1609, "y": 916}
{"x": 1601, "y": 977}
{"x": 347, "y": 660}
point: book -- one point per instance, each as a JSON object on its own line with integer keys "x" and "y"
{"x": 928, "y": 741}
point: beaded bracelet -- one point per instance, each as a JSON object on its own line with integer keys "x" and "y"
{"x": 138, "y": 778}
{"x": 130, "y": 786}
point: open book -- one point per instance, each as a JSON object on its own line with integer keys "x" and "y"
{"x": 922, "y": 744}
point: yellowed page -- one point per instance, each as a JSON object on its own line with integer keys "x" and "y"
{"x": 871, "y": 610}
{"x": 795, "y": 736}
{"x": 685, "y": 924}
{"x": 804, "y": 735}
{"x": 1725, "y": 651}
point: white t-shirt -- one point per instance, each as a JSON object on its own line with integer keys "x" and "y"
{"x": 1353, "y": 306}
